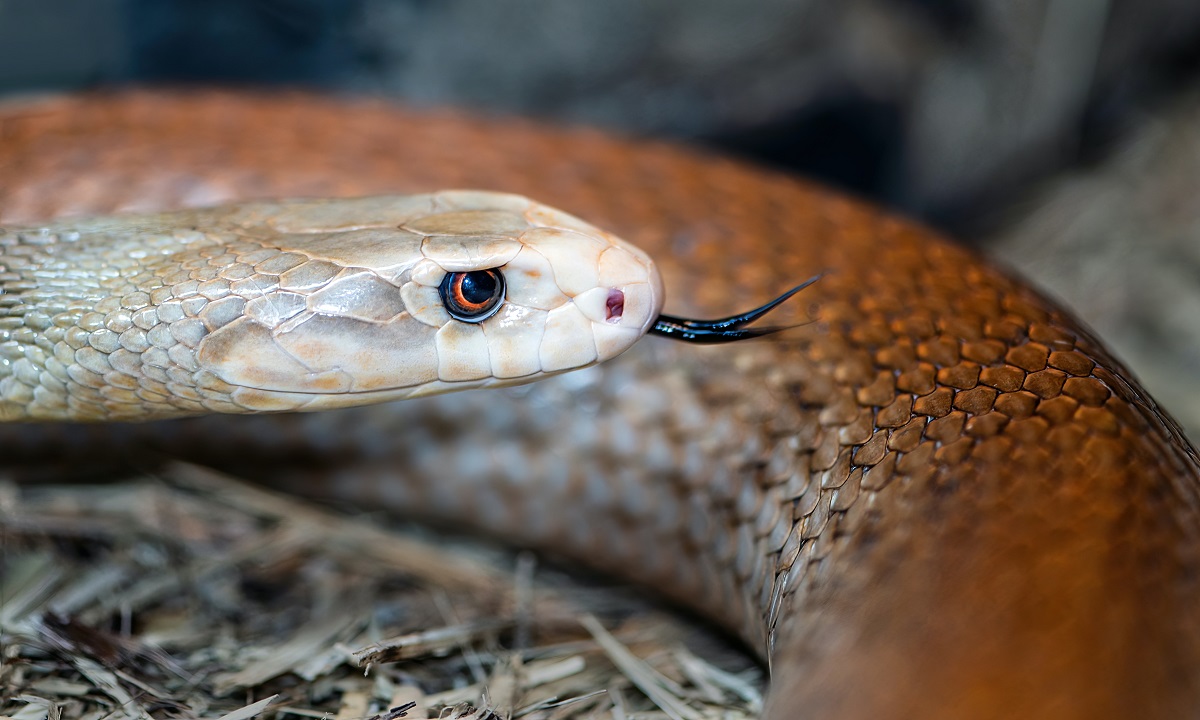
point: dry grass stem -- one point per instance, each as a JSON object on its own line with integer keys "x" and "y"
{"x": 197, "y": 595}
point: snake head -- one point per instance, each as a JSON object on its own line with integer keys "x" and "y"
{"x": 392, "y": 298}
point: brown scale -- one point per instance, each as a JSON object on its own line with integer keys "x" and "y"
{"x": 940, "y": 499}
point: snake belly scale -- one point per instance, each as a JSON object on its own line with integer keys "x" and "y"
{"x": 942, "y": 498}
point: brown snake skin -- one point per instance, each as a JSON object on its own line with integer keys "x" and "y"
{"x": 941, "y": 499}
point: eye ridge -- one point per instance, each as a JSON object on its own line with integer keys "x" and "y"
{"x": 472, "y": 296}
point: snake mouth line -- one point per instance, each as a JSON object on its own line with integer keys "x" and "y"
{"x": 394, "y": 392}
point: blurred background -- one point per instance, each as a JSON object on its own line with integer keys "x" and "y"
{"x": 1061, "y": 137}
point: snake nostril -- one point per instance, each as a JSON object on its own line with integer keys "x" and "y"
{"x": 614, "y": 306}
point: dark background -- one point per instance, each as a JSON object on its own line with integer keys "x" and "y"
{"x": 1060, "y": 136}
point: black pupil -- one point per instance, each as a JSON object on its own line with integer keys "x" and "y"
{"x": 478, "y": 287}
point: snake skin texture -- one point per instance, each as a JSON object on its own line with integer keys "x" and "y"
{"x": 941, "y": 498}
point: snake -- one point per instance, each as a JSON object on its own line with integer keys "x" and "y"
{"x": 931, "y": 493}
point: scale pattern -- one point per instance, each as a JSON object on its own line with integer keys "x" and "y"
{"x": 939, "y": 499}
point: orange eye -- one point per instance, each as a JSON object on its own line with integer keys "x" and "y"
{"x": 472, "y": 296}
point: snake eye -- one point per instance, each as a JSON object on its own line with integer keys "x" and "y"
{"x": 472, "y": 296}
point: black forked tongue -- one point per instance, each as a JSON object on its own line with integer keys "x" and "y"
{"x": 730, "y": 329}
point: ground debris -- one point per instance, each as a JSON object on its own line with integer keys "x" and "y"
{"x": 192, "y": 594}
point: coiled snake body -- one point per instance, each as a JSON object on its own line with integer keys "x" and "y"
{"x": 940, "y": 499}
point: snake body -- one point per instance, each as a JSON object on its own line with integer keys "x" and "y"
{"x": 942, "y": 498}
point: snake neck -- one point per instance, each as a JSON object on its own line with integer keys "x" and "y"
{"x": 80, "y": 326}
{"x": 108, "y": 320}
